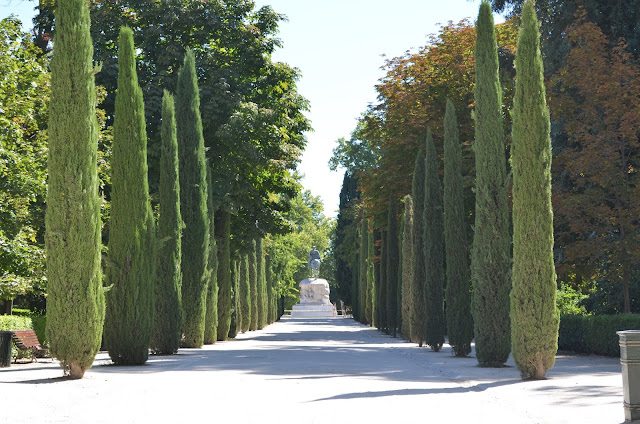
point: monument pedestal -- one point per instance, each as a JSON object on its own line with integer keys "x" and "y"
{"x": 314, "y": 300}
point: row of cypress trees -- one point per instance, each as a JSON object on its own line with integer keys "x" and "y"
{"x": 504, "y": 304}
{"x": 161, "y": 281}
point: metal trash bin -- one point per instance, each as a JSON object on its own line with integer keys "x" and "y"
{"x": 5, "y": 348}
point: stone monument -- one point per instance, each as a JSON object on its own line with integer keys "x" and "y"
{"x": 314, "y": 293}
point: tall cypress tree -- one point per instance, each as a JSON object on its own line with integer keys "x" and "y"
{"x": 364, "y": 256}
{"x": 407, "y": 265}
{"x": 223, "y": 238}
{"x": 132, "y": 237}
{"x": 382, "y": 282}
{"x": 211, "y": 316}
{"x": 534, "y": 315}
{"x": 261, "y": 284}
{"x": 193, "y": 204}
{"x": 418, "y": 307}
{"x": 245, "y": 293}
{"x": 167, "y": 319}
{"x": 434, "y": 249}
{"x": 490, "y": 258}
{"x": 458, "y": 296}
{"x": 375, "y": 312}
{"x": 393, "y": 255}
{"x": 270, "y": 291}
{"x": 236, "y": 316}
{"x": 75, "y": 301}
{"x": 253, "y": 281}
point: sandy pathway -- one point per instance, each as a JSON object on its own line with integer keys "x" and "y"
{"x": 313, "y": 371}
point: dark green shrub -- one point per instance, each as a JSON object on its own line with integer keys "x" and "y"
{"x": 595, "y": 334}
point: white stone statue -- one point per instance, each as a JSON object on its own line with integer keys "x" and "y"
{"x": 314, "y": 291}
{"x": 314, "y": 262}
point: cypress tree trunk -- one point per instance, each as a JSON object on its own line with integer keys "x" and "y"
{"x": 167, "y": 324}
{"x": 235, "y": 310}
{"x": 132, "y": 250}
{"x": 253, "y": 281}
{"x": 434, "y": 248}
{"x": 534, "y": 315}
{"x": 382, "y": 286}
{"x": 193, "y": 205}
{"x": 223, "y": 238}
{"x": 262, "y": 285}
{"x": 392, "y": 267}
{"x": 490, "y": 257}
{"x": 74, "y": 279}
{"x": 407, "y": 265}
{"x": 364, "y": 246}
{"x": 211, "y": 316}
{"x": 245, "y": 294}
{"x": 418, "y": 307}
{"x": 458, "y": 296}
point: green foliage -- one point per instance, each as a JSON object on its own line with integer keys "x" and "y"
{"x": 434, "y": 249}
{"x": 75, "y": 293}
{"x": 225, "y": 294}
{"x": 407, "y": 265}
{"x": 23, "y": 160}
{"x": 363, "y": 256}
{"x": 534, "y": 315}
{"x": 211, "y": 316}
{"x": 370, "y": 310}
{"x": 245, "y": 293}
{"x": 381, "y": 287}
{"x": 131, "y": 268}
{"x": 167, "y": 318}
{"x": 568, "y": 300}
{"x": 594, "y": 334}
{"x": 458, "y": 294}
{"x": 418, "y": 308}
{"x": 490, "y": 256}
{"x": 345, "y": 238}
{"x": 253, "y": 282}
{"x": 193, "y": 205}
{"x": 393, "y": 258}
{"x": 261, "y": 284}
{"x": 236, "y": 313}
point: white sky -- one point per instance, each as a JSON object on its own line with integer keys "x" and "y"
{"x": 338, "y": 47}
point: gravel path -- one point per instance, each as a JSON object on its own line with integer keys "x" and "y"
{"x": 313, "y": 371}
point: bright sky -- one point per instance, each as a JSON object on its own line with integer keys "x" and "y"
{"x": 338, "y": 47}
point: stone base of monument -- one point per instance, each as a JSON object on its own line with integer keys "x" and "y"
{"x": 314, "y": 300}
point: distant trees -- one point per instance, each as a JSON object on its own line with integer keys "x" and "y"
{"x": 193, "y": 204}
{"x": 393, "y": 266}
{"x": 223, "y": 237}
{"x": 211, "y": 320}
{"x": 407, "y": 265}
{"x": 73, "y": 210}
{"x": 418, "y": 307}
{"x": 132, "y": 236}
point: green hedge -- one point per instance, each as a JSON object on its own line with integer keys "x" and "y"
{"x": 19, "y": 322}
{"x": 595, "y": 334}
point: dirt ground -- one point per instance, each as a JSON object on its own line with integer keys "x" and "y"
{"x": 313, "y": 371}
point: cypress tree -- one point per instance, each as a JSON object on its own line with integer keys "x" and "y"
{"x": 371, "y": 293}
{"x": 382, "y": 285}
{"x": 211, "y": 316}
{"x": 167, "y": 319}
{"x": 392, "y": 266}
{"x": 534, "y": 315}
{"x": 132, "y": 255}
{"x": 245, "y": 294}
{"x": 434, "y": 249}
{"x": 253, "y": 281}
{"x": 458, "y": 296}
{"x": 193, "y": 205}
{"x": 375, "y": 312}
{"x": 75, "y": 301}
{"x": 223, "y": 238}
{"x": 270, "y": 290}
{"x": 235, "y": 310}
{"x": 364, "y": 246}
{"x": 418, "y": 307}
{"x": 490, "y": 257}
{"x": 407, "y": 265}
{"x": 261, "y": 284}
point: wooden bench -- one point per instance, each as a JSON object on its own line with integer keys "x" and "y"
{"x": 27, "y": 341}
